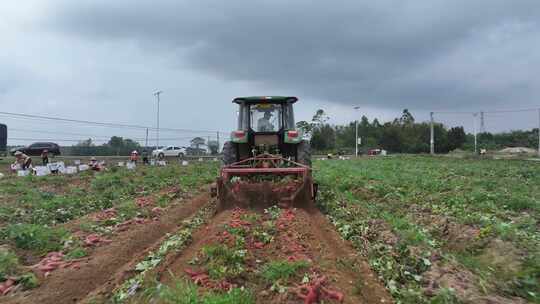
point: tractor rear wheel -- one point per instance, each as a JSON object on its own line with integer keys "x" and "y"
{"x": 303, "y": 153}
{"x": 229, "y": 153}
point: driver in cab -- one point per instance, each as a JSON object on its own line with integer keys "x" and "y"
{"x": 264, "y": 124}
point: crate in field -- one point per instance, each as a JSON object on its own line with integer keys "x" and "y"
{"x": 57, "y": 167}
{"x": 22, "y": 173}
{"x": 42, "y": 170}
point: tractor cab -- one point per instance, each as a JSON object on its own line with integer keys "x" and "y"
{"x": 265, "y": 125}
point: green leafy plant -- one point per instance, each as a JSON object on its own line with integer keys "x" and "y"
{"x": 38, "y": 238}
{"x": 9, "y": 263}
{"x": 282, "y": 270}
{"x": 29, "y": 280}
{"x": 76, "y": 253}
{"x": 223, "y": 262}
{"x": 182, "y": 292}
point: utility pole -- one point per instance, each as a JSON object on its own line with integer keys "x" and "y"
{"x": 146, "y": 141}
{"x": 157, "y": 131}
{"x": 482, "y": 126}
{"x": 217, "y": 137}
{"x": 356, "y": 136}
{"x": 431, "y": 135}
{"x": 538, "y": 132}
{"x": 474, "y": 130}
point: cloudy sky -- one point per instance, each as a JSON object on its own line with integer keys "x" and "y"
{"x": 102, "y": 60}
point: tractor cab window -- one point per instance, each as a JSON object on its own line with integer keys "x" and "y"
{"x": 288, "y": 117}
{"x": 265, "y": 117}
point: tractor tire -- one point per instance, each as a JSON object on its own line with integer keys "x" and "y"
{"x": 229, "y": 153}
{"x": 303, "y": 153}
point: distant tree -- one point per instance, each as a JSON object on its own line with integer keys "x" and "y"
{"x": 197, "y": 142}
{"x": 116, "y": 142}
{"x": 323, "y": 138}
{"x": 406, "y": 118}
{"x": 405, "y": 135}
{"x": 456, "y": 138}
{"x": 115, "y": 146}
{"x": 213, "y": 147}
{"x": 320, "y": 117}
{"x": 120, "y": 146}
{"x": 391, "y": 138}
{"x": 441, "y": 138}
{"x": 305, "y": 127}
{"x": 86, "y": 143}
{"x": 317, "y": 121}
{"x": 84, "y": 147}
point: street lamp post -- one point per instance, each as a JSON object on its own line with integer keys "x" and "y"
{"x": 157, "y": 130}
{"x": 356, "y": 136}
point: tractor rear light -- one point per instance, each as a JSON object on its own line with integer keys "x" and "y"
{"x": 292, "y": 134}
{"x": 239, "y": 134}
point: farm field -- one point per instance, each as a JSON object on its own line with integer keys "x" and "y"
{"x": 394, "y": 229}
{"x": 441, "y": 230}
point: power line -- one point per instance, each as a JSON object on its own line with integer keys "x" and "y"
{"x": 492, "y": 111}
{"x": 55, "y": 132}
{"x": 103, "y": 124}
{"x": 452, "y": 112}
{"x": 92, "y": 138}
{"x": 49, "y": 139}
{"x": 512, "y": 111}
{"x": 74, "y": 120}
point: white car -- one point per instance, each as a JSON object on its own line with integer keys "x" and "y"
{"x": 169, "y": 151}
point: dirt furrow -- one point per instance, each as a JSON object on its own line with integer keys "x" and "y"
{"x": 296, "y": 237}
{"x": 110, "y": 264}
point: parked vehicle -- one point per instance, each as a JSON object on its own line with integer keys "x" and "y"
{"x": 376, "y": 152}
{"x": 3, "y": 139}
{"x": 194, "y": 151}
{"x": 36, "y": 149}
{"x": 169, "y": 151}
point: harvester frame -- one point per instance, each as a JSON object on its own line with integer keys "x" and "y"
{"x": 267, "y": 162}
{"x": 233, "y": 190}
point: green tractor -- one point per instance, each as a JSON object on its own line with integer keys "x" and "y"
{"x": 266, "y": 126}
{"x": 266, "y": 162}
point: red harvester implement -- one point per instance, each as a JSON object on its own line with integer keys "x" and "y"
{"x": 263, "y": 181}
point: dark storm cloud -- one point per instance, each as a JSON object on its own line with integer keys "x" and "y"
{"x": 389, "y": 54}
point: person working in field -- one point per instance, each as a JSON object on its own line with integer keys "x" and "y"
{"x": 45, "y": 157}
{"x": 264, "y": 124}
{"x": 23, "y": 160}
{"x": 94, "y": 165}
{"x": 134, "y": 157}
{"x": 145, "y": 157}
